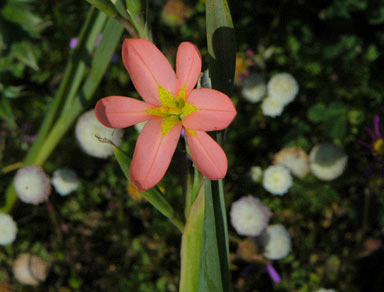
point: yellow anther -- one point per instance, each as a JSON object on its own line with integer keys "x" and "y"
{"x": 192, "y": 132}
{"x": 188, "y": 109}
{"x": 156, "y": 111}
{"x": 167, "y": 98}
{"x": 168, "y": 124}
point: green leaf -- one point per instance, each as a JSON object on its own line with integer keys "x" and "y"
{"x": 316, "y": 113}
{"x": 73, "y": 76}
{"x": 191, "y": 245}
{"x": 120, "y": 7}
{"x": 153, "y": 196}
{"x": 210, "y": 279}
{"x": 52, "y": 129}
{"x": 20, "y": 13}
{"x": 220, "y": 211}
{"x": 6, "y": 112}
{"x": 104, "y": 5}
{"x": 24, "y": 52}
{"x": 221, "y": 45}
{"x": 134, "y": 11}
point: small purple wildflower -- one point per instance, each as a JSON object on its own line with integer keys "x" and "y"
{"x": 273, "y": 273}
{"x": 73, "y": 43}
{"x": 376, "y": 146}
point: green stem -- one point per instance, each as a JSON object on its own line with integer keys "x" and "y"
{"x": 50, "y": 136}
{"x": 61, "y": 93}
{"x": 178, "y": 223}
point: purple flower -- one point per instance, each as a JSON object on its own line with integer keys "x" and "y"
{"x": 73, "y": 43}
{"x": 376, "y": 146}
{"x": 273, "y": 273}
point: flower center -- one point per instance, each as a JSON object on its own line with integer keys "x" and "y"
{"x": 378, "y": 146}
{"x": 173, "y": 109}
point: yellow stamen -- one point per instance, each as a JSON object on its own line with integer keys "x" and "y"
{"x": 166, "y": 98}
{"x": 172, "y": 110}
{"x": 182, "y": 94}
{"x": 156, "y": 111}
{"x": 187, "y": 110}
{"x": 168, "y": 123}
{"x": 192, "y": 132}
{"x": 379, "y": 146}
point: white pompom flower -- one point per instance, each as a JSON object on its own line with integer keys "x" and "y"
{"x": 254, "y": 88}
{"x": 277, "y": 179}
{"x": 88, "y": 128}
{"x": 249, "y": 216}
{"x": 295, "y": 159}
{"x": 256, "y": 173}
{"x": 326, "y": 290}
{"x": 283, "y": 87}
{"x": 8, "y": 229}
{"x": 65, "y": 181}
{"x": 327, "y": 161}
{"x": 32, "y": 185}
{"x": 272, "y": 107}
{"x": 30, "y": 269}
{"x": 276, "y": 242}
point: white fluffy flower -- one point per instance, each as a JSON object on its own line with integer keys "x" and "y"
{"x": 327, "y": 161}
{"x": 32, "y": 185}
{"x": 8, "y": 229}
{"x": 276, "y": 242}
{"x": 29, "y": 269}
{"x": 295, "y": 159}
{"x": 326, "y": 290}
{"x": 249, "y": 216}
{"x": 139, "y": 126}
{"x": 65, "y": 181}
{"x": 256, "y": 173}
{"x": 272, "y": 107}
{"x": 87, "y": 128}
{"x": 277, "y": 179}
{"x": 283, "y": 87}
{"x": 254, "y": 88}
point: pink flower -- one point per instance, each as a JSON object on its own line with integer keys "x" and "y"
{"x": 170, "y": 103}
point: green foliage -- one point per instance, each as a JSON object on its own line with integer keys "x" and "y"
{"x": 333, "y": 118}
{"x": 111, "y": 242}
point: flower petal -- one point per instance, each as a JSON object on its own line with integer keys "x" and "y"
{"x": 148, "y": 69}
{"x": 121, "y": 112}
{"x": 215, "y": 110}
{"x": 207, "y": 155}
{"x": 153, "y": 154}
{"x": 188, "y": 66}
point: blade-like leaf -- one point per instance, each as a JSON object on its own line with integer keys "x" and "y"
{"x": 153, "y": 196}
{"x": 49, "y": 136}
{"x": 210, "y": 279}
{"x": 20, "y": 13}
{"x": 6, "y": 112}
{"x": 222, "y": 61}
{"x": 101, "y": 59}
{"x": 191, "y": 246}
{"x": 104, "y": 5}
{"x": 24, "y": 52}
{"x": 221, "y": 45}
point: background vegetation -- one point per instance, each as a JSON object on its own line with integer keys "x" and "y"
{"x": 105, "y": 240}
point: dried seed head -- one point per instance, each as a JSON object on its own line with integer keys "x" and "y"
{"x": 32, "y": 185}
